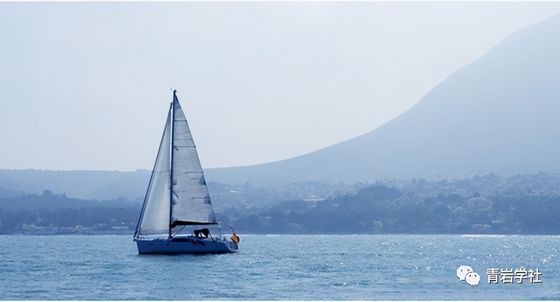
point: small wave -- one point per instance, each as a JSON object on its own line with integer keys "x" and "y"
{"x": 484, "y": 235}
{"x": 549, "y": 298}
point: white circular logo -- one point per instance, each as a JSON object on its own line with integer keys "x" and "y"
{"x": 472, "y": 278}
{"x": 463, "y": 271}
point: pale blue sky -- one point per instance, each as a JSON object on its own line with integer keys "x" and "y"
{"x": 87, "y": 85}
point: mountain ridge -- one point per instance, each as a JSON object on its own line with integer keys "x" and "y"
{"x": 497, "y": 114}
{"x": 463, "y": 126}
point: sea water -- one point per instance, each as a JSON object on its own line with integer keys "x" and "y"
{"x": 345, "y": 267}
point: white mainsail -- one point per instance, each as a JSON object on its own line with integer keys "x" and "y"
{"x": 177, "y": 193}
{"x": 191, "y": 201}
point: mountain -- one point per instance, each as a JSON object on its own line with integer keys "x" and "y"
{"x": 98, "y": 185}
{"x": 48, "y": 201}
{"x": 121, "y": 187}
{"x": 498, "y": 114}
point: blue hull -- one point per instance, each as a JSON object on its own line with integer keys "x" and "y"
{"x": 186, "y": 245}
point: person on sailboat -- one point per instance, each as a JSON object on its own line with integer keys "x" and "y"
{"x": 202, "y": 232}
{"x": 234, "y": 238}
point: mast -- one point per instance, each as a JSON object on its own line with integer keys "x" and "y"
{"x": 171, "y": 174}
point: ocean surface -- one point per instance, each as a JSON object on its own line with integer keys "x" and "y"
{"x": 278, "y": 267}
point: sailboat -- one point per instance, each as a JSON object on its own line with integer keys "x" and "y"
{"x": 177, "y": 213}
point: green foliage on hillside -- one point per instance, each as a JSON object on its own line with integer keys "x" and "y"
{"x": 523, "y": 204}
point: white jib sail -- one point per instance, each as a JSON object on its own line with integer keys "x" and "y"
{"x": 154, "y": 219}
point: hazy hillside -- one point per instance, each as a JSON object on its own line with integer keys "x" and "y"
{"x": 80, "y": 184}
{"x": 498, "y": 114}
{"x": 47, "y": 200}
{"x": 485, "y": 204}
{"x": 111, "y": 185}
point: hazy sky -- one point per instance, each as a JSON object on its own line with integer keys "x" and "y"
{"x": 87, "y": 85}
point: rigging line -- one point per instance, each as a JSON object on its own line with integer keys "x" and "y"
{"x": 179, "y": 230}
